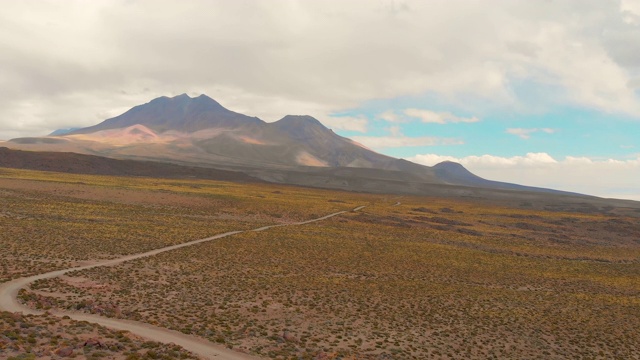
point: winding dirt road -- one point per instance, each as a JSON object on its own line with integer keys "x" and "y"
{"x": 200, "y": 347}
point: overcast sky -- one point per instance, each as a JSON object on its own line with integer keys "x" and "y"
{"x": 542, "y": 93}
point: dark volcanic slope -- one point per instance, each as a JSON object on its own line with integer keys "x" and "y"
{"x": 96, "y": 165}
{"x": 180, "y": 113}
{"x": 349, "y": 179}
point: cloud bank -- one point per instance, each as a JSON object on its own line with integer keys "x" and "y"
{"x": 73, "y": 62}
{"x": 600, "y": 177}
{"x": 425, "y": 116}
{"x": 526, "y": 133}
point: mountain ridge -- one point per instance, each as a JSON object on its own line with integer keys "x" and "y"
{"x": 200, "y": 131}
{"x": 181, "y": 113}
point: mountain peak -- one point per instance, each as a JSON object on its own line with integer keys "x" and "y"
{"x": 447, "y": 168}
{"x": 449, "y": 165}
{"x": 182, "y": 113}
{"x": 455, "y": 173}
{"x": 183, "y": 98}
{"x": 299, "y": 120}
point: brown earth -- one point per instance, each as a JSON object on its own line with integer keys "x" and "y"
{"x": 96, "y": 165}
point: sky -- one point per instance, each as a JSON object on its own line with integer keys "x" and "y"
{"x": 541, "y": 93}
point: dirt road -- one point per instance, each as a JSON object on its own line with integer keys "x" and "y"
{"x": 201, "y": 347}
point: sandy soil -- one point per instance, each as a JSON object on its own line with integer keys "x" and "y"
{"x": 206, "y": 349}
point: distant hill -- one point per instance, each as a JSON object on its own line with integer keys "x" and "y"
{"x": 96, "y": 165}
{"x": 349, "y": 179}
{"x": 181, "y": 113}
{"x": 62, "y": 131}
{"x": 296, "y": 149}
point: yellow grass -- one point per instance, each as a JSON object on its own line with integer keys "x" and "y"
{"x": 428, "y": 278}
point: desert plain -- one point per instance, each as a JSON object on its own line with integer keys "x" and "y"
{"x": 404, "y": 277}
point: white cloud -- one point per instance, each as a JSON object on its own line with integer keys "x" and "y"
{"x": 631, "y": 11}
{"x": 395, "y": 131}
{"x": 397, "y": 139}
{"x": 313, "y": 54}
{"x": 390, "y": 116}
{"x": 385, "y": 142}
{"x": 432, "y": 159}
{"x": 529, "y": 160}
{"x": 600, "y": 177}
{"x": 349, "y": 123}
{"x": 428, "y": 116}
{"x": 526, "y": 133}
{"x": 578, "y": 160}
{"x": 523, "y": 133}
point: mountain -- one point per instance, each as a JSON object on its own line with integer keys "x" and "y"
{"x": 199, "y": 130}
{"x": 296, "y": 149}
{"x": 181, "y": 113}
{"x": 59, "y": 132}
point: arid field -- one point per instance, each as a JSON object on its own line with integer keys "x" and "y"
{"x": 403, "y": 278}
